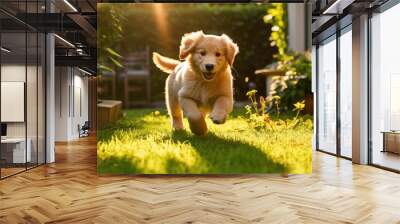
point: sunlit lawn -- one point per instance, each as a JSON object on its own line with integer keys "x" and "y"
{"x": 143, "y": 142}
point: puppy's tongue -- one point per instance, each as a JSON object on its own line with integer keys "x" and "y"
{"x": 208, "y": 76}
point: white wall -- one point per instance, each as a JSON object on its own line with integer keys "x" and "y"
{"x": 33, "y": 126}
{"x": 71, "y": 102}
{"x": 297, "y": 27}
{"x": 81, "y": 82}
{"x": 62, "y": 81}
{"x": 12, "y": 73}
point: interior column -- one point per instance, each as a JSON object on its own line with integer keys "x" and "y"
{"x": 360, "y": 90}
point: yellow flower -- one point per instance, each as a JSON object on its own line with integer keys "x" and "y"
{"x": 156, "y": 113}
{"x": 268, "y": 17}
{"x": 275, "y": 28}
{"x": 299, "y": 105}
{"x": 262, "y": 100}
{"x": 276, "y": 98}
{"x": 251, "y": 92}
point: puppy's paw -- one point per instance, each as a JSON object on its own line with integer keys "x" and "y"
{"x": 198, "y": 127}
{"x": 178, "y": 129}
{"x": 218, "y": 118}
{"x": 177, "y": 126}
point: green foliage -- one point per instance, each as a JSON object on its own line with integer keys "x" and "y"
{"x": 260, "y": 118}
{"x": 143, "y": 25}
{"x": 275, "y": 17}
{"x": 143, "y": 142}
{"x": 109, "y": 33}
{"x": 296, "y": 84}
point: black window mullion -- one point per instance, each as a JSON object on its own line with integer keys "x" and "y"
{"x": 37, "y": 90}
{"x": 26, "y": 87}
{"x": 69, "y": 91}
{"x": 369, "y": 100}
{"x": 316, "y": 116}
{"x": 73, "y": 92}
{"x": 338, "y": 94}
{"x": 45, "y": 94}
{"x": 0, "y": 98}
{"x": 44, "y": 79}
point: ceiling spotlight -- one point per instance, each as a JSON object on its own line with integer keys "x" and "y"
{"x": 337, "y": 7}
{"x": 70, "y": 5}
{"x": 79, "y": 51}
{"x": 84, "y": 71}
{"x": 65, "y": 41}
{"x": 5, "y": 50}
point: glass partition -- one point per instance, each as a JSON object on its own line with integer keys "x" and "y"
{"x": 14, "y": 153}
{"x": 327, "y": 96}
{"x": 41, "y": 96}
{"x": 22, "y": 101}
{"x": 385, "y": 89}
{"x": 32, "y": 97}
{"x": 346, "y": 92}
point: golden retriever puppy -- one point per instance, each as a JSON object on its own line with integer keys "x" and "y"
{"x": 202, "y": 83}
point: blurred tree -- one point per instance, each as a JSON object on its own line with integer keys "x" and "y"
{"x": 109, "y": 33}
{"x": 276, "y": 18}
{"x": 295, "y": 86}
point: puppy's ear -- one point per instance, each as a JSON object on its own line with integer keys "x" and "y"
{"x": 188, "y": 43}
{"x": 231, "y": 49}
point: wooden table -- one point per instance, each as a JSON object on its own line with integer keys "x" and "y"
{"x": 391, "y": 141}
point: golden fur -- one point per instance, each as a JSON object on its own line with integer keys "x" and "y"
{"x": 202, "y": 83}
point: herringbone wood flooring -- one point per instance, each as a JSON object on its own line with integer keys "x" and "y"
{"x": 70, "y": 191}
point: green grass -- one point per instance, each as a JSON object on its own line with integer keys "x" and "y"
{"x": 143, "y": 143}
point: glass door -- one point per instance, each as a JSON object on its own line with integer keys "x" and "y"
{"x": 22, "y": 101}
{"x": 345, "y": 59}
{"x": 14, "y": 153}
{"x": 385, "y": 89}
{"x": 327, "y": 95}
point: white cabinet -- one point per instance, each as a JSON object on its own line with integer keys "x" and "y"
{"x": 19, "y": 154}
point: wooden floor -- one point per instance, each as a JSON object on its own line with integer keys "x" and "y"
{"x": 70, "y": 191}
{"x": 387, "y": 159}
{"x": 11, "y": 170}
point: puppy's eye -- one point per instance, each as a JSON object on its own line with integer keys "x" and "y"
{"x": 217, "y": 54}
{"x": 202, "y": 53}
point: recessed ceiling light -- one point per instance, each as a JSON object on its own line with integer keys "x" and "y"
{"x": 79, "y": 51}
{"x": 337, "y": 7}
{"x": 5, "y": 50}
{"x": 65, "y": 41}
{"x": 84, "y": 71}
{"x": 70, "y": 5}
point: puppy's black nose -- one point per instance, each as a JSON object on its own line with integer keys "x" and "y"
{"x": 209, "y": 67}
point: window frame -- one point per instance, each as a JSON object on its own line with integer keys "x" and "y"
{"x": 27, "y": 29}
{"x": 341, "y": 27}
{"x": 378, "y": 10}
